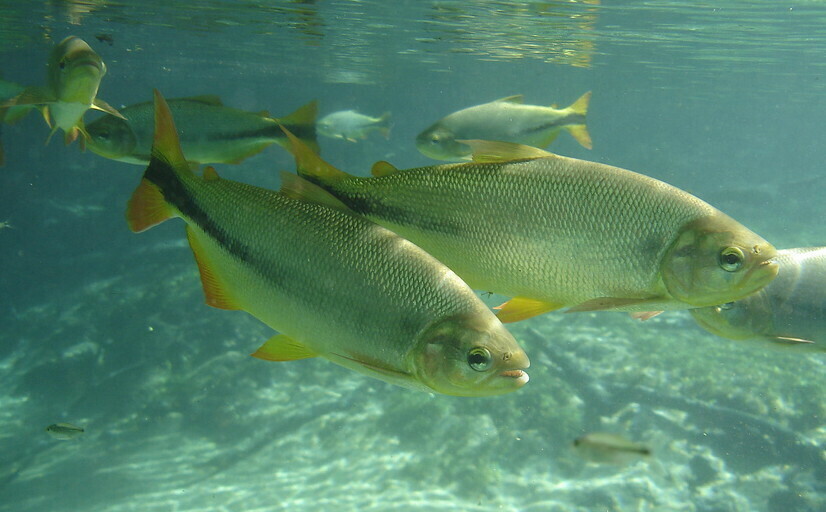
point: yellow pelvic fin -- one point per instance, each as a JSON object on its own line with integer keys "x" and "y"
{"x": 147, "y": 207}
{"x": 165, "y": 146}
{"x": 521, "y": 308}
{"x": 309, "y": 164}
{"x": 282, "y": 348}
{"x": 210, "y": 174}
{"x": 580, "y": 106}
{"x": 296, "y": 187}
{"x": 580, "y": 133}
{"x": 305, "y": 114}
{"x": 516, "y": 98}
{"x": 215, "y": 289}
{"x": 497, "y": 151}
{"x": 609, "y": 303}
{"x": 99, "y": 104}
{"x": 382, "y": 168}
{"x": 207, "y": 99}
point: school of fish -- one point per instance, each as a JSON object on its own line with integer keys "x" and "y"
{"x": 380, "y": 274}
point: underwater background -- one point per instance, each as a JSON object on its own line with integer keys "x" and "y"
{"x": 109, "y": 331}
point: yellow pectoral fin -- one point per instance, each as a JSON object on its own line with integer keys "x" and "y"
{"x": 521, "y": 308}
{"x": 282, "y": 348}
{"x": 216, "y": 290}
{"x": 99, "y": 104}
{"x": 497, "y": 151}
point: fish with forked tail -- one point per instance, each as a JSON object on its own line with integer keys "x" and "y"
{"x": 507, "y": 120}
{"x": 332, "y": 283}
{"x": 556, "y": 232}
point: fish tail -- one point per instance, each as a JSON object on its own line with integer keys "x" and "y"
{"x": 580, "y": 131}
{"x": 384, "y": 122}
{"x": 309, "y": 165}
{"x": 167, "y": 168}
{"x": 302, "y": 124}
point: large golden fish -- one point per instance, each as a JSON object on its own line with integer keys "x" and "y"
{"x": 557, "y": 232}
{"x": 332, "y": 283}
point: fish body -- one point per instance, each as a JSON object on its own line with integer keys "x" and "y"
{"x": 606, "y": 448}
{"x": 209, "y": 131}
{"x": 74, "y": 73}
{"x": 64, "y": 431}
{"x": 789, "y": 311}
{"x": 506, "y": 119}
{"x": 558, "y": 232}
{"x": 332, "y": 283}
{"x": 352, "y": 126}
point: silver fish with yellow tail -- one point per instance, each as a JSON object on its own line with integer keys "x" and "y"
{"x": 74, "y": 72}
{"x": 556, "y": 232}
{"x": 508, "y": 120}
{"x": 332, "y": 283}
{"x": 789, "y": 312}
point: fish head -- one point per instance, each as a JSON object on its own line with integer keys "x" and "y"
{"x": 747, "y": 318}
{"x": 439, "y": 142}
{"x": 715, "y": 260}
{"x": 469, "y": 355}
{"x": 111, "y": 137}
{"x": 75, "y": 71}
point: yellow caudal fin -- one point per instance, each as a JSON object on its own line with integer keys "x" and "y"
{"x": 216, "y": 291}
{"x": 521, "y": 308}
{"x": 282, "y": 348}
{"x": 296, "y": 187}
{"x": 148, "y": 207}
{"x": 301, "y": 123}
{"x": 305, "y": 114}
{"x": 580, "y": 131}
{"x": 498, "y": 151}
{"x": 309, "y": 164}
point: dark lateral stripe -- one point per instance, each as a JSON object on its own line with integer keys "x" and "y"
{"x": 572, "y": 119}
{"x": 302, "y": 131}
{"x": 161, "y": 173}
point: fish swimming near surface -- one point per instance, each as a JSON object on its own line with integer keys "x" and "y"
{"x": 789, "y": 312}
{"x": 209, "y": 131}
{"x": 352, "y": 126}
{"x": 332, "y": 283}
{"x": 556, "y": 232}
{"x": 74, "y": 74}
{"x": 64, "y": 431}
{"x": 508, "y": 120}
{"x": 606, "y": 448}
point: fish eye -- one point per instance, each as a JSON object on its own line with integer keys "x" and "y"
{"x": 479, "y": 359}
{"x": 731, "y": 259}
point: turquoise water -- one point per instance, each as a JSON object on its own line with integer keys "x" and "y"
{"x": 108, "y": 330}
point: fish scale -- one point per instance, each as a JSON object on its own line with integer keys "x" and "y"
{"x": 557, "y": 230}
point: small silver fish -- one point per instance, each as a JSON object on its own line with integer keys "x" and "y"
{"x": 605, "y": 448}
{"x": 352, "y": 126}
{"x": 64, "y": 431}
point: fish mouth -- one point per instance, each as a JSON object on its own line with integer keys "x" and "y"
{"x": 520, "y": 377}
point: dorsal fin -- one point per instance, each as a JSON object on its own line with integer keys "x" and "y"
{"x": 309, "y": 164}
{"x": 305, "y": 114}
{"x": 497, "y": 151}
{"x": 296, "y": 187}
{"x": 206, "y": 99}
{"x": 210, "y": 174}
{"x": 382, "y": 168}
{"x": 516, "y": 98}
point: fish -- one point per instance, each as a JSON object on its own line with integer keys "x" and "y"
{"x": 9, "y": 90}
{"x": 64, "y": 431}
{"x": 104, "y": 37}
{"x": 508, "y": 120}
{"x": 332, "y": 283}
{"x": 606, "y": 448}
{"x": 352, "y": 126}
{"x": 789, "y": 312}
{"x": 210, "y": 132}
{"x": 74, "y": 72}
{"x": 555, "y": 232}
